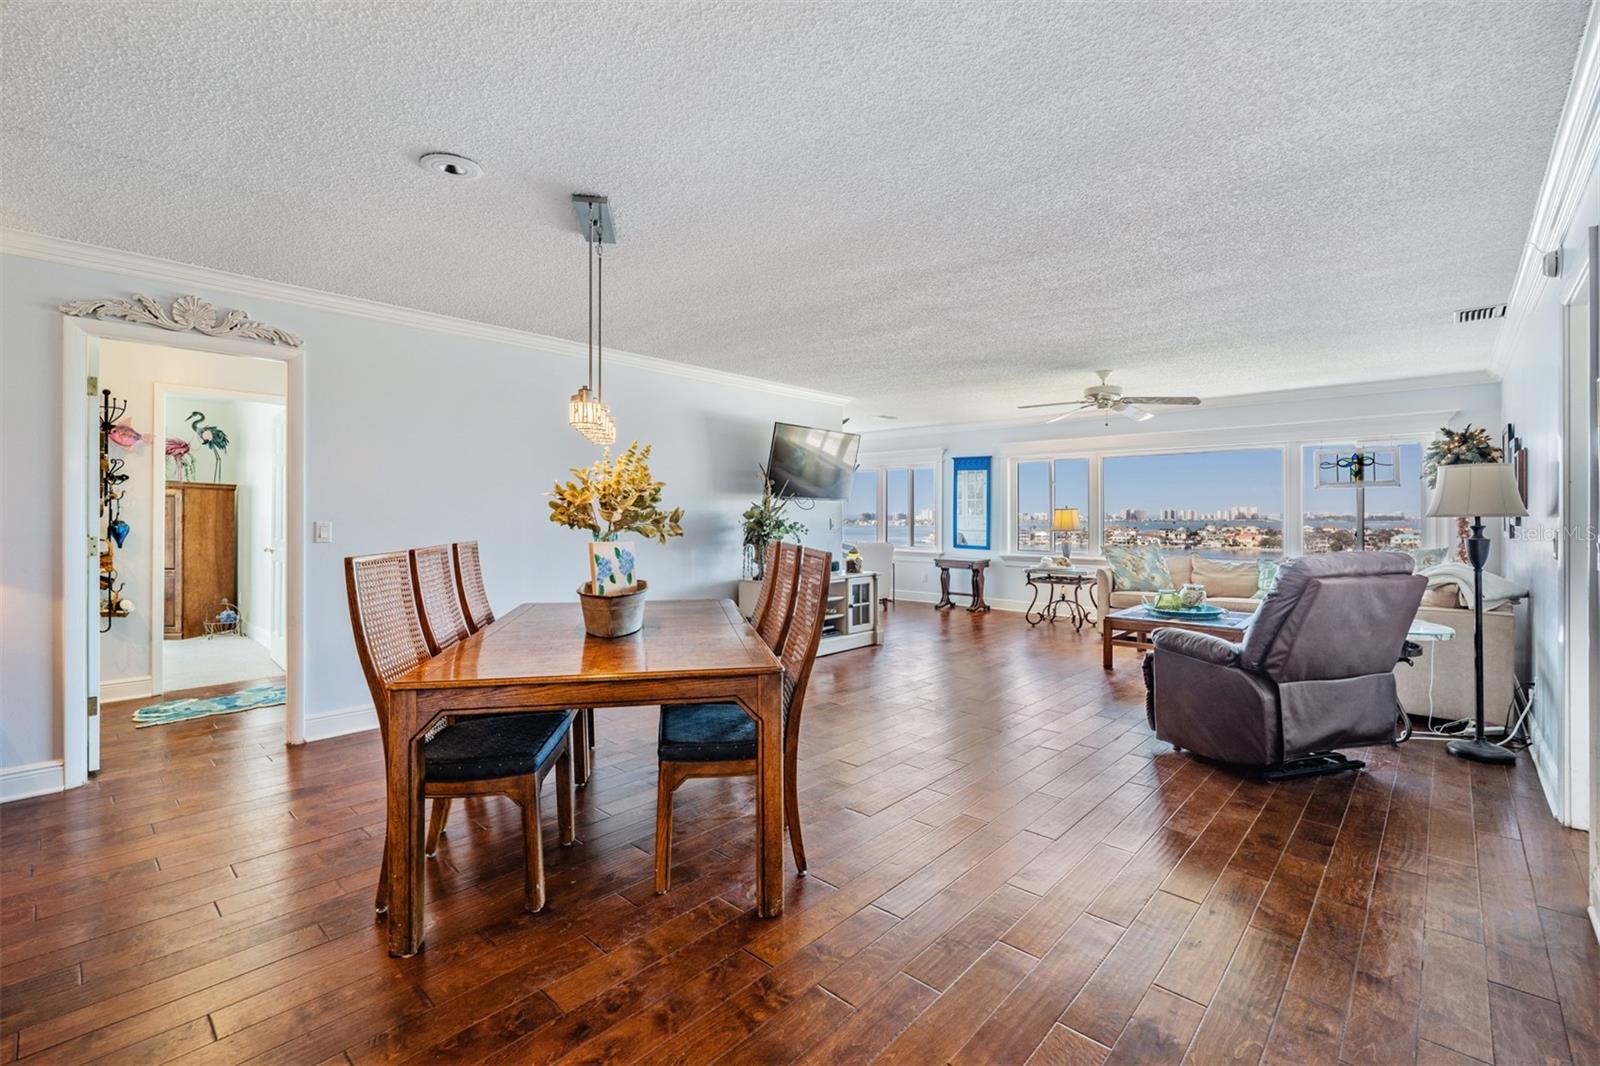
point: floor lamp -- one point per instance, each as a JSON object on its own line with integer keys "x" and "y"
{"x": 1477, "y": 491}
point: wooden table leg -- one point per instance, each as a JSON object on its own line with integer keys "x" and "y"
{"x": 978, "y": 606}
{"x": 769, "y": 798}
{"x": 405, "y": 825}
{"x": 1105, "y": 640}
{"x": 582, "y": 761}
{"x": 944, "y": 589}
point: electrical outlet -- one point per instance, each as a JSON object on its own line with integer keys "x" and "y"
{"x": 322, "y": 532}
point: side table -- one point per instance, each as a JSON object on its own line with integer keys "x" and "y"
{"x": 1055, "y": 580}
{"x": 977, "y": 567}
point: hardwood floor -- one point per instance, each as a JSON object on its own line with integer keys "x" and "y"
{"x": 1006, "y": 867}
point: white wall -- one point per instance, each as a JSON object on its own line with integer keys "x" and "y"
{"x": 1555, "y": 423}
{"x": 134, "y": 373}
{"x": 1532, "y": 398}
{"x": 416, "y": 433}
{"x": 1364, "y": 412}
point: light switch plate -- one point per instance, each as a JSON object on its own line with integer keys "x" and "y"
{"x": 322, "y": 532}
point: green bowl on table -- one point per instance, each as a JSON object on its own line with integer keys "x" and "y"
{"x": 1204, "y": 610}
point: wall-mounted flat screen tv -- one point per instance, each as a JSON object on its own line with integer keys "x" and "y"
{"x": 815, "y": 464}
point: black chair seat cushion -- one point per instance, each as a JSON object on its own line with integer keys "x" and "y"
{"x": 501, "y": 745}
{"x": 706, "y": 732}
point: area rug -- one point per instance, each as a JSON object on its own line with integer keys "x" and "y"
{"x": 183, "y": 710}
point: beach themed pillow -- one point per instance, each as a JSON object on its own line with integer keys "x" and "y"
{"x": 1422, "y": 558}
{"x": 1138, "y": 569}
{"x": 1266, "y": 577}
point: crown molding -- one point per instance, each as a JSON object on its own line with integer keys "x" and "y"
{"x": 148, "y": 267}
{"x": 1566, "y": 180}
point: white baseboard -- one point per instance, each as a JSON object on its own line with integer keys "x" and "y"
{"x": 918, "y": 596}
{"x": 127, "y": 688}
{"x": 32, "y": 779}
{"x": 339, "y": 723}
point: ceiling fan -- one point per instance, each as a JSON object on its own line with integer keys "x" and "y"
{"x": 1108, "y": 398}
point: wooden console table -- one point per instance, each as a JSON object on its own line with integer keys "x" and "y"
{"x": 977, "y": 567}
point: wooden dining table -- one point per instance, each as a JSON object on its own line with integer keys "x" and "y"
{"x": 537, "y": 658}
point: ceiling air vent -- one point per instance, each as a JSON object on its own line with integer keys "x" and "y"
{"x": 1480, "y": 314}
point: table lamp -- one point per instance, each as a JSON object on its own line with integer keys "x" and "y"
{"x": 1065, "y": 520}
{"x": 1477, "y": 491}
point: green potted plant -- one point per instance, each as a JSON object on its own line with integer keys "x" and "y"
{"x": 1470, "y": 445}
{"x": 765, "y": 521}
{"x": 608, "y": 499}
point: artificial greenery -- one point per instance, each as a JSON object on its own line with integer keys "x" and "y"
{"x": 1470, "y": 445}
{"x": 765, "y": 521}
{"x": 616, "y": 496}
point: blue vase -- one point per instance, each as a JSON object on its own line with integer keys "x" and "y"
{"x": 119, "y": 531}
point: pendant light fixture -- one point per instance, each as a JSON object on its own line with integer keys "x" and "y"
{"x": 586, "y": 411}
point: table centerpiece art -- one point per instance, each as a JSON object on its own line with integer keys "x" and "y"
{"x": 608, "y": 499}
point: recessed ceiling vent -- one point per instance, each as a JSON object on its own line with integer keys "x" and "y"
{"x": 1480, "y": 314}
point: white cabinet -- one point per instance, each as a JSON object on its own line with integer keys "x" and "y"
{"x": 852, "y": 616}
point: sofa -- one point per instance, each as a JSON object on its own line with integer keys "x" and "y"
{"x": 1448, "y": 664}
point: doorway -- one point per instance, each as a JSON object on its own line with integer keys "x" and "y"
{"x": 176, "y": 370}
{"x": 219, "y": 543}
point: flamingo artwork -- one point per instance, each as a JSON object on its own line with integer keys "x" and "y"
{"x": 212, "y": 437}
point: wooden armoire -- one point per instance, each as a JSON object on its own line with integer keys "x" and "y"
{"x": 202, "y": 548}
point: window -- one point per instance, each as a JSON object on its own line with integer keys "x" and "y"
{"x": 1225, "y": 504}
{"x": 898, "y": 505}
{"x": 1044, "y": 486}
{"x": 924, "y": 494}
{"x": 1393, "y": 514}
{"x": 861, "y": 508}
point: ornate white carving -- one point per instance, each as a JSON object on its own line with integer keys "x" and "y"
{"x": 188, "y": 313}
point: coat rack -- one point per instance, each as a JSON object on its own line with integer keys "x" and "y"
{"x": 112, "y": 605}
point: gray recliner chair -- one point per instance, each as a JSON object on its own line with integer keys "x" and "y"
{"x": 1315, "y": 670}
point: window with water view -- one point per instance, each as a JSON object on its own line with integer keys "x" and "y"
{"x": 1393, "y": 513}
{"x": 1043, "y": 486}
{"x": 1226, "y": 505}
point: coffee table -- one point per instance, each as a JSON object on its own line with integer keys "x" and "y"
{"x": 1131, "y": 627}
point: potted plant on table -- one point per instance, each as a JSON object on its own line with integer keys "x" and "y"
{"x": 608, "y": 499}
{"x": 765, "y": 521}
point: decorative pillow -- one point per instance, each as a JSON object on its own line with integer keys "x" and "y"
{"x": 1422, "y": 558}
{"x": 1226, "y": 577}
{"x": 1138, "y": 569}
{"x": 1266, "y": 577}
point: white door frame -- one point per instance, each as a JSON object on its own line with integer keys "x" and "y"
{"x": 80, "y": 338}
{"x": 1577, "y": 424}
{"x": 158, "y": 492}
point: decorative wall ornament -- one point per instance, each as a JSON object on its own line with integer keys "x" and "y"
{"x": 187, "y": 313}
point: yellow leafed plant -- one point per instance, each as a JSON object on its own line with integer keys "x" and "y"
{"x": 616, "y": 496}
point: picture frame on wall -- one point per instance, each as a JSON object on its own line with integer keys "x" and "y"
{"x": 973, "y": 503}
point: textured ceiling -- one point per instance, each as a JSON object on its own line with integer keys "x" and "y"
{"x": 942, "y": 209}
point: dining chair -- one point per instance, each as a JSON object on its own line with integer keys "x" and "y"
{"x": 507, "y": 754}
{"x": 719, "y": 739}
{"x": 478, "y": 613}
{"x": 769, "y": 565}
{"x": 774, "y": 625}
{"x": 469, "y": 584}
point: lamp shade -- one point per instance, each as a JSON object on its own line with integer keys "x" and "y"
{"x": 1065, "y": 520}
{"x": 1476, "y": 490}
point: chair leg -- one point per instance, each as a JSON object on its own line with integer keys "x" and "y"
{"x": 588, "y": 714}
{"x": 440, "y": 815}
{"x": 381, "y": 902}
{"x": 666, "y": 784}
{"x": 564, "y": 821}
{"x": 533, "y": 844}
{"x": 791, "y": 813}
